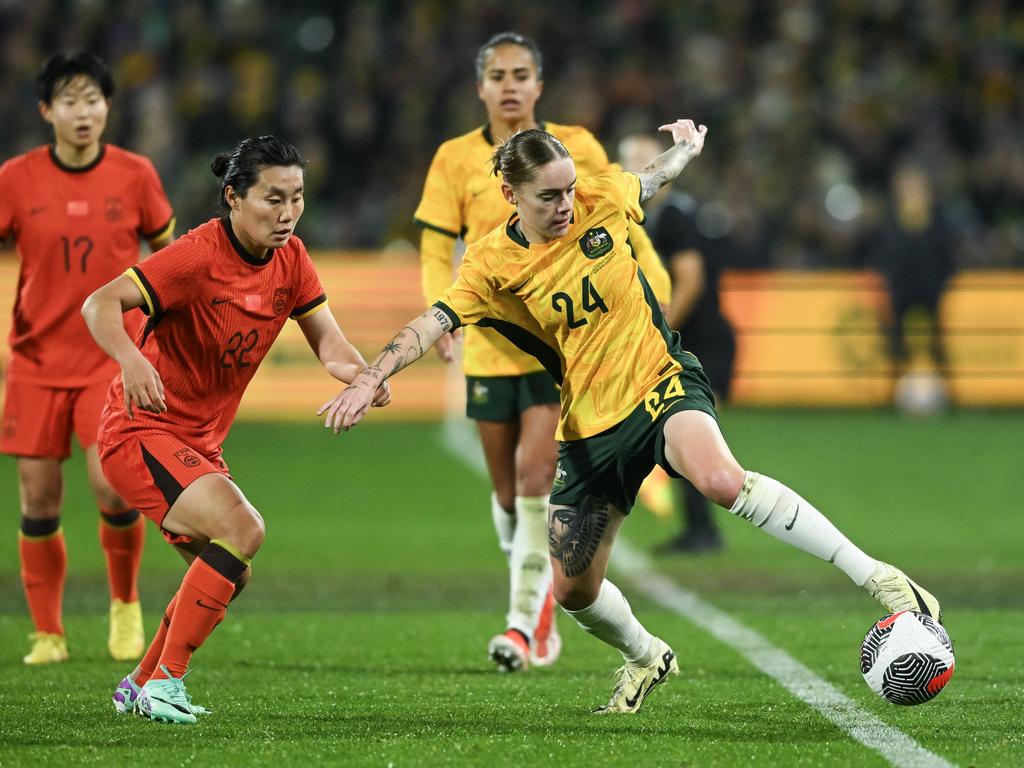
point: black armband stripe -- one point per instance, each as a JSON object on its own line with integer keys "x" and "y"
{"x": 452, "y": 315}
{"x": 433, "y": 228}
{"x": 158, "y": 231}
{"x": 299, "y": 312}
{"x": 158, "y": 308}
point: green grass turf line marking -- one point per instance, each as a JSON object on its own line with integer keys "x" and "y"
{"x": 894, "y": 745}
{"x": 891, "y": 743}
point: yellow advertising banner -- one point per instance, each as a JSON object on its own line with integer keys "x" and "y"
{"x": 816, "y": 338}
{"x": 804, "y": 338}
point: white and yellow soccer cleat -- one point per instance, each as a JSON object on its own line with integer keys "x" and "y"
{"x": 47, "y": 648}
{"x": 896, "y": 592}
{"x": 127, "y": 640}
{"x": 634, "y": 682}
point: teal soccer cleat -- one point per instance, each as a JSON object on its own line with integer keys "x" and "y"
{"x": 165, "y": 700}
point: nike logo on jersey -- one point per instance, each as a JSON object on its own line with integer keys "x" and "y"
{"x": 793, "y": 521}
{"x": 214, "y": 302}
{"x": 34, "y": 211}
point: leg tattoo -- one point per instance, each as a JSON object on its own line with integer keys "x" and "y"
{"x": 574, "y": 534}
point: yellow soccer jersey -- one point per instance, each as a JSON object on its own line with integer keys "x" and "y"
{"x": 580, "y": 304}
{"x": 461, "y": 197}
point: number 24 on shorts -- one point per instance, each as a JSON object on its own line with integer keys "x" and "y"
{"x": 655, "y": 402}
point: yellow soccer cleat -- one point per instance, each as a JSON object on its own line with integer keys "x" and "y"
{"x": 896, "y": 592}
{"x": 127, "y": 640}
{"x": 634, "y": 682}
{"x": 47, "y": 648}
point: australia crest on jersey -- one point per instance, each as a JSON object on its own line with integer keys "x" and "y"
{"x": 281, "y": 296}
{"x": 596, "y": 242}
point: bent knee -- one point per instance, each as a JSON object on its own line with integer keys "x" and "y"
{"x": 247, "y": 528}
{"x": 722, "y": 485}
{"x": 534, "y": 476}
{"x": 40, "y": 504}
{"x": 574, "y": 596}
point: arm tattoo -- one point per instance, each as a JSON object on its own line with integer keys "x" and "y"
{"x": 419, "y": 342}
{"x": 443, "y": 319}
{"x": 391, "y": 346}
{"x": 574, "y": 534}
{"x": 399, "y": 365}
{"x": 663, "y": 169}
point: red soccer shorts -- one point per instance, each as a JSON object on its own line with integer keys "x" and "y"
{"x": 149, "y": 470}
{"x": 38, "y": 421}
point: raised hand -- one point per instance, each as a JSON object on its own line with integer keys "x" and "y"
{"x": 685, "y": 131}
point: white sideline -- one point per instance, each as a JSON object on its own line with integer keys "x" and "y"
{"x": 892, "y": 744}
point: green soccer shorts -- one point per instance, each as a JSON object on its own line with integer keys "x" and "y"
{"x": 503, "y": 398}
{"x": 612, "y": 465}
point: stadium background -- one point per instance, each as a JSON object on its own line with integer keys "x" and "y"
{"x": 810, "y": 106}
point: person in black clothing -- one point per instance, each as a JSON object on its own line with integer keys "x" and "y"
{"x": 693, "y": 311}
{"x": 915, "y": 255}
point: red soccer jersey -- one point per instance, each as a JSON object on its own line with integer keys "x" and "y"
{"x": 214, "y": 310}
{"x": 76, "y": 229}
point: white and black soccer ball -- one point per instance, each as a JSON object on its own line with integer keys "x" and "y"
{"x": 907, "y": 658}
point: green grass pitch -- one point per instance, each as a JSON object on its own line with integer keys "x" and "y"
{"x": 361, "y": 640}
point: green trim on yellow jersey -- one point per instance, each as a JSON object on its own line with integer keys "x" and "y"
{"x": 439, "y": 230}
{"x": 461, "y": 197}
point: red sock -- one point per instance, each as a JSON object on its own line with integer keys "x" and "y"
{"x": 122, "y": 537}
{"x": 202, "y": 602}
{"x": 152, "y": 657}
{"x": 44, "y": 564}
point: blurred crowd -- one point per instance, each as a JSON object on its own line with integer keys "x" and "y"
{"x": 816, "y": 109}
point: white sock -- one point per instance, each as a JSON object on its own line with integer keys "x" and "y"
{"x": 504, "y": 526}
{"x": 788, "y": 517}
{"x": 529, "y": 565}
{"x": 609, "y": 618}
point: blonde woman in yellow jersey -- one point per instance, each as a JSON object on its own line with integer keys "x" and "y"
{"x": 513, "y": 400}
{"x": 557, "y": 279}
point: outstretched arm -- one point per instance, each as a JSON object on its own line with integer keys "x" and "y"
{"x": 347, "y": 409}
{"x": 688, "y": 141}
{"x": 335, "y": 352}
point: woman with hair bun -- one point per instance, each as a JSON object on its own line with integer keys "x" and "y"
{"x": 216, "y": 300}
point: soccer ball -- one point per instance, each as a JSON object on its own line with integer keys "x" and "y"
{"x": 907, "y": 658}
{"x": 921, "y": 394}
